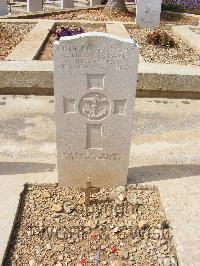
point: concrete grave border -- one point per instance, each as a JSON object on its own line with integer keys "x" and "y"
{"x": 187, "y": 34}
{"x": 22, "y": 74}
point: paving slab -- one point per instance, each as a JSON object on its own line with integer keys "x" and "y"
{"x": 164, "y": 151}
{"x": 186, "y": 32}
{"x": 29, "y": 48}
{"x": 36, "y": 77}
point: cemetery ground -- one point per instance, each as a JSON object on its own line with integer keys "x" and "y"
{"x": 98, "y": 14}
{"x": 11, "y": 35}
{"x": 62, "y": 229}
{"x": 164, "y": 153}
{"x": 47, "y": 50}
{"x": 164, "y": 168}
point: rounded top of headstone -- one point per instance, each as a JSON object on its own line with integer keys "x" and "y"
{"x": 93, "y": 35}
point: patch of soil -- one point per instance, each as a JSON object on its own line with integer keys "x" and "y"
{"x": 47, "y": 51}
{"x": 11, "y": 35}
{"x": 54, "y": 227}
{"x": 180, "y": 54}
{"x": 100, "y": 15}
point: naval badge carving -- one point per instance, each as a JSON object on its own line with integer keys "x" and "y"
{"x": 94, "y": 106}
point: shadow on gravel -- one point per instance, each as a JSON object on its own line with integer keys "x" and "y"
{"x": 151, "y": 173}
{"x": 13, "y": 168}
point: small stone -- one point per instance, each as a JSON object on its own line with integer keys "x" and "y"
{"x": 116, "y": 230}
{"x": 132, "y": 200}
{"x": 29, "y": 233}
{"x": 133, "y": 217}
{"x": 61, "y": 235}
{"x": 129, "y": 223}
{"x": 60, "y": 257}
{"x": 57, "y": 208}
{"x": 46, "y": 194}
{"x": 174, "y": 261}
{"x": 167, "y": 262}
{"x": 67, "y": 262}
{"x": 118, "y": 263}
{"x": 142, "y": 224}
{"x": 48, "y": 246}
{"x": 32, "y": 262}
{"x": 120, "y": 189}
{"x": 37, "y": 251}
{"x": 56, "y": 215}
{"x": 132, "y": 258}
{"x": 121, "y": 197}
{"x": 58, "y": 264}
{"x": 68, "y": 209}
{"x": 90, "y": 224}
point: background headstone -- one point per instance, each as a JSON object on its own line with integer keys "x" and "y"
{"x": 95, "y": 2}
{"x": 34, "y": 5}
{"x": 148, "y": 13}
{"x": 67, "y": 4}
{"x": 3, "y": 8}
{"x": 95, "y": 78}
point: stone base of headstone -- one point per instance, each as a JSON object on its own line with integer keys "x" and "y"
{"x": 95, "y": 2}
{"x": 67, "y": 4}
{"x": 3, "y": 8}
{"x": 148, "y": 13}
{"x": 34, "y": 5}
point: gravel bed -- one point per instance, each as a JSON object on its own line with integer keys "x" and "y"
{"x": 11, "y": 35}
{"x": 100, "y": 15}
{"x": 53, "y": 227}
{"x": 47, "y": 51}
{"x": 181, "y": 54}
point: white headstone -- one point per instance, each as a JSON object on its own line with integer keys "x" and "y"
{"x": 34, "y": 5}
{"x": 95, "y": 78}
{"x": 67, "y": 4}
{"x": 95, "y": 2}
{"x": 3, "y": 8}
{"x": 148, "y": 13}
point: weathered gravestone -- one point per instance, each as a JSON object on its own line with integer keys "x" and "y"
{"x": 94, "y": 84}
{"x": 67, "y": 3}
{"x": 34, "y": 5}
{"x": 148, "y": 13}
{"x": 3, "y": 8}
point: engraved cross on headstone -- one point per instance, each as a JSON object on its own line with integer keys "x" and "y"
{"x": 94, "y": 106}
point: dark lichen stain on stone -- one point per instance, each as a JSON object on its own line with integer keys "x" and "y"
{"x": 2, "y": 103}
{"x": 51, "y": 101}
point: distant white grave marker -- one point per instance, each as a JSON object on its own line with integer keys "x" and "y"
{"x": 148, "y": 13}
{"x": 3, "y": 8}
{"x": 95, "y": 2}
{"x": 34, "y": 5}
{"x": 95, "y": 78}
{"x": 67, "y": 4}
